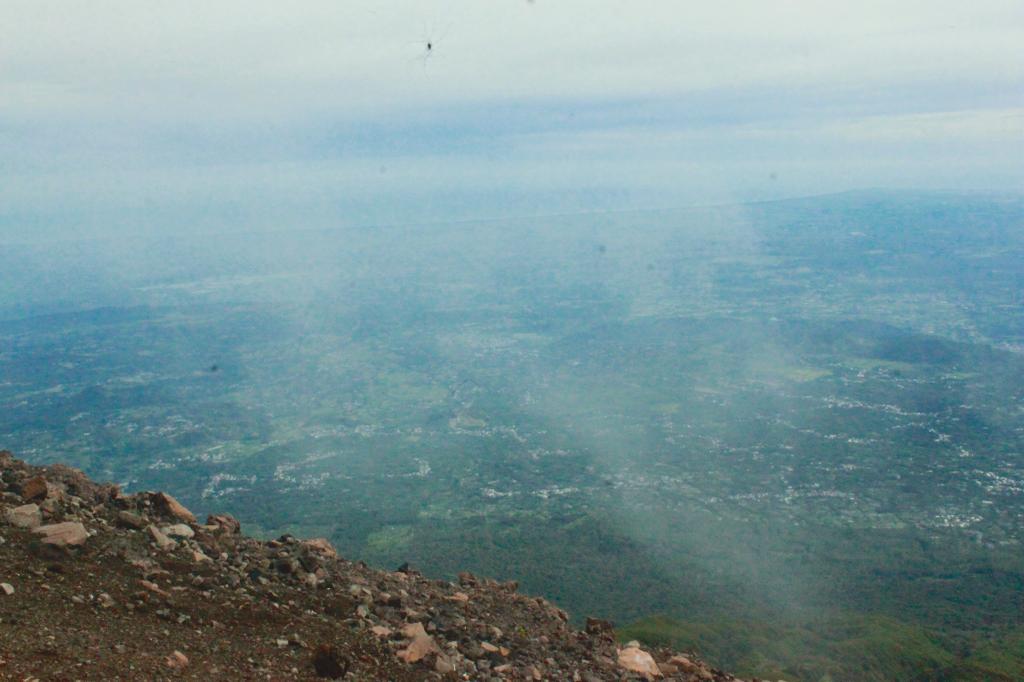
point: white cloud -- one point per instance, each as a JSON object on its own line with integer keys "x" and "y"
{"x": 272, "y": 59}
{"x": 186, "y": 105}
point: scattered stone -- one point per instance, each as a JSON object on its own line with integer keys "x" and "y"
{"x": 153, "y": 587}
{"x": 443, "y": 665}
{"x": 479, "y": 629}
{"x": 597, "y": 626}
{"x": 170, "y": 506}
{"x": 178, "y": 530}
{"x": 329, "y": 663}
{"x": 226, "y": 523}
{"x": 177, "y": 660}
{"x": 420, "y": 644}
{"x": 25, "y": 516}
{"x": 161, "y": 540}
{"x": 34, "y": 489}
{"x": 686, "y": 665}
{"x": 639, "y": 661}
{"x": 321, "y": 546}
{"x": 492, "y": 649}
{"x": 63, "y": 534}
{"x": 126, "y": 519}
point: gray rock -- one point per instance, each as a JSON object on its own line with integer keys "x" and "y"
{"x": 127, "y": 519}
{"x": 161, "y": 540}
{"x": 25, "y": 516}
{"x": 62, "y": 534}
{"x": 179, "y": 530}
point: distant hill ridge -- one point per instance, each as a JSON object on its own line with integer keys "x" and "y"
{"x": 97, "y": 584}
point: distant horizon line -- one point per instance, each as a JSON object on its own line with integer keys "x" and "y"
{"x": 1004, "y": 194}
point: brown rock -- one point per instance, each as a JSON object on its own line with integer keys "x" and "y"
{"x": 161, "y": 540}
{"x": 443, "y": 665}
{"x": 127, "y": 519}
{"x": 489, "y": 648}
{"x": 461, "y": 597}
{"x": 420, "y": 644}
{"x": 597, "y": 626}
{"x": 381, "y": 630}
{"x": 63, "y": 534}
{"x": 226, "y": 523}
{"x": 179, "y": 530}
{"x": 684, "y": 664}
{"x": 25, "y": 516}
{"x": 170, "y": 506}
{"x": 639, "y": 661}
{"x": 321, "y": 546}
{"x": 329, "y": 663}
{"x": 34, "y": 489}
{"x": 176, "y": 661}
{"x": 153, "y": 587}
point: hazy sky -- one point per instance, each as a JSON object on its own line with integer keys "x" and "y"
{"x": 145, "y": 116}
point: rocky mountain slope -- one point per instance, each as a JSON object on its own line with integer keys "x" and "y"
{"x": 97, "y": 584}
